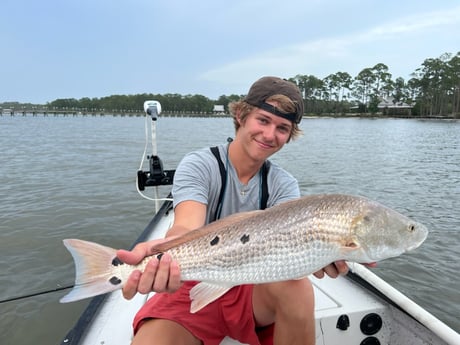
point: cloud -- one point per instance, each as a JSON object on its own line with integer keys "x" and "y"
{"x": 417, "y": 24}
{"x": 324, "y": 56}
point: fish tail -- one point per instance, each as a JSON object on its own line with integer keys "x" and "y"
{"x": 94, "y": 273}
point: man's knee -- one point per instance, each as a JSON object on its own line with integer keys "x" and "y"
{"x": 159, "y": 331}
{"x": 293, "y": 299}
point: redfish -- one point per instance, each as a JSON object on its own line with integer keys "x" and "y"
{"x": 284, "y": 242}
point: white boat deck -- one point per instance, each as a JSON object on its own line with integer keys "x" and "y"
{"x": 333, "y": 298}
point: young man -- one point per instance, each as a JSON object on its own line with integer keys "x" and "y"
{"x": 274, "y": 313}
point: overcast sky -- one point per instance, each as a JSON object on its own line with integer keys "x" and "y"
{"x": 94, "y": 48}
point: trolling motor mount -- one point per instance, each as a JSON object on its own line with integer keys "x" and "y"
{"x": 156, "y": 176}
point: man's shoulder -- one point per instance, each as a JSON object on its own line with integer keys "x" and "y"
{"x": 200, "y": 160}
{"x": 203, "y": 154}
{"x": 206, "y": 152}
{"x": 277, "y": 171}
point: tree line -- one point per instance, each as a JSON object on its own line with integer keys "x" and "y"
{"x": 432, "y": 90}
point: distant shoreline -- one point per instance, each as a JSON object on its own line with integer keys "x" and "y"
{"x": 57, "y": 113}
{"x": 170, "y": 115}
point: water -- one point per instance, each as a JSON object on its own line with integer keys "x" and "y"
{"x": 63, "y": 177}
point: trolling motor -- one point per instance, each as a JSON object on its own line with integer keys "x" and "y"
{"x": 152, "y": 108}
{"x": 156, "y": 176}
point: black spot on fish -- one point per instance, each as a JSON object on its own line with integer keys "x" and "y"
{"x": 117, "y": 262}
{"x": 214, "y": 241}
{"x": 244, "y": 239}
{"x": 159, "y": 256}
{"x": 114, "y": 280}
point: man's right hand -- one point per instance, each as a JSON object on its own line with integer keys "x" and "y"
{"x": 159, "y": 275}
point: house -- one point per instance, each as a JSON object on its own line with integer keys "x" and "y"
{"x": 218, "y": 109}
{"x": 390, "y": 106}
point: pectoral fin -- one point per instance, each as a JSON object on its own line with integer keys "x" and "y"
{"x": 204, "y": 293}
{"x": 351, "y": 245}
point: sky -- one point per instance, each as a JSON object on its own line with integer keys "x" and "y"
{"x": 53, "y": 49}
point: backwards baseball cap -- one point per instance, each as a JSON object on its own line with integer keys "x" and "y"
{"x": 269, "y": 86}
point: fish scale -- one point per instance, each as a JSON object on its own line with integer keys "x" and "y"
{"x": 287, "y": 241}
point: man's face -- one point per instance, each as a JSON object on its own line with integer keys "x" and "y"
{"x": 264, "y": 133}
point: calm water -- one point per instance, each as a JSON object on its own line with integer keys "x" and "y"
{"x": 75, "y": 177}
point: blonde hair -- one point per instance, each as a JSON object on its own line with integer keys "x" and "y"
{"x": 284, "y": 104}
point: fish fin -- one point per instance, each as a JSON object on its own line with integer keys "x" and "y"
{"x": 351, "y": 245}
{"x": 204, "y": 293}
{"x": 93, "y": 270}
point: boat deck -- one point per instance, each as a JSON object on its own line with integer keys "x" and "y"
{"x": 116, "y": 315}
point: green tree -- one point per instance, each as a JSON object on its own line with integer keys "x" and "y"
{"x": 362, "y": 86}
{"x": 433, "y": 85}
{"x": 336, "y": 84}
{"x": 382, "y": 81}
{"x": 400, "y": 91}
{"x": 311, "y": 88}
{"x": 453, "y": 84}
{"x": 225, "y": 100}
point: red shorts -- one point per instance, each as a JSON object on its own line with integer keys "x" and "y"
{"x": 230, "y": 315}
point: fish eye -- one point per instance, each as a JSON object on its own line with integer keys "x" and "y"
{"x": 411, "y": 228}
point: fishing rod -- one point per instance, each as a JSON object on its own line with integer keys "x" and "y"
{"x": 16, "y": 298}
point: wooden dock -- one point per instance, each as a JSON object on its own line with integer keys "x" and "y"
{"x": 47, "y": 112}
{"x": 122, "y": 113}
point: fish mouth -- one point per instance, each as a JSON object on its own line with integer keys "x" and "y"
{"x": 414, "y": 246}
